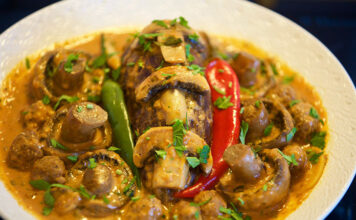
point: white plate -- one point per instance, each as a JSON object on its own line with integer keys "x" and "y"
{"x": 266, "y": 29}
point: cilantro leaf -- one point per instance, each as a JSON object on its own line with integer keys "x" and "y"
{"x": 291, "y": 134}
{"x": 72, "y": 158}
{"x": 196, "y": 69}
{"x": 172, "y": 41}
{"x": 92, "y": 163}
{"x": 190, "y": 57}
{"x": 223, "y": 102}
{"x": 268, "y": 129}
{"x": 318, "y": 140}
{"x": 243, "y": 131}
{"x": 68, "y": 65}
{"x": 204, "y": 154}
{"x": 46, "y": 100}
{"x": 183, "y": 22}
{"x": 67, "y": 98}
{"x": 161, "y": 153}
{"x": 294, "y": 102}
{"x": 193, "y": 161}
{"x": 40, "y": 184}
{"x": 313, "y": 113}
{"x": 58, "y": 145}
{"x": 290, "y": 159}
{"x": 160, "y": 23}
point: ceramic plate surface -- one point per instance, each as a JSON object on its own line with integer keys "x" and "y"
{"x": 264, "y": 28}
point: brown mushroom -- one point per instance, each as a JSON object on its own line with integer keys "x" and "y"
{"x": 107, "y": 179}
{"x": 268, "y": 193}
{"x": 24, "y": 151}
{"x": 245, "y": 165}
{"x": 246, "y": 68}
{"x": 81, "y": 126}
{"x": 50, "y": 169}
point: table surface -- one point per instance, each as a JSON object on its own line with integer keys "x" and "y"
{"x": 333, "y": 22}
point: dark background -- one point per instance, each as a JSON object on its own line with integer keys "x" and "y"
{"x": 333, "y": 22}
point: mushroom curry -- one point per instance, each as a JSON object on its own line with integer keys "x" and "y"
{"x": 166, "y": 123}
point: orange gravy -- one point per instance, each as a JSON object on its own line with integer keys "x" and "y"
{"x": 14, "y": 98}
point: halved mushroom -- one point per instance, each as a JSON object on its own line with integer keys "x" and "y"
{"x": 281, "y": 123}
{"x": 171, "y": 77}
{"x": 63, "y": 72}
{"x": 246, "y": 67}
{"x": 106, "y": 179}
{"x": 170, "y": 171}
{"x": 81, "y": 126}
{"x": 268, "y": 193}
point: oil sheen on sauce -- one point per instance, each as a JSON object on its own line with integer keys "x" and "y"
{"x": 15, "y": 97}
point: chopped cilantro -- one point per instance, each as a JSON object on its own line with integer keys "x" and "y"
{"x": 67, "y": 98}
{"x": 46, "y": 100}
{"x": 288, "y": 79}
{"x": 193, "y": 37}
{"x": 313, "y": 156}
{"x": 294, "y": 102}
{"x": 318, "y": 140}
{"x": 161, "y": 153}
{"x": 115, "y": 74}
{"x": 223, "y": 56}
{"x": 113, "y": 148}
{"x": 274, "y": 69}
{"x": 160, "y": 23}
{"x": 257, "y": 103}
{"x": 241, "y": 201}
{"x": 246, "y": 90}
{"x": 106, "y": 200}
{"x": 68, "y": 66}
{"x": 118, "y": 172}
{"x": 242, "y": 110}
{"x": 27, "y": 62}
{"x": 291, "y": 134}
{"x": 183, "y": 22}
{"x": 130, "y": 64}
{"x": 79, "y": 109}
{"x": 201, "y": 203}
{"x": 218, "y": 90}
{"x": 94, "y": 98}
{"x": 221, "y": 70}
{"x": 196, "y": 69}
{"x": 204, "y": 154}
{"x": 190, "y": 57}
{"x": 230, "y": 84}
{"x": 193, "y": 161}
{"x": 268, "y": 129}
{"x": 223, "y": 102}
{"x": 40, "y": 184}
{"x": 100, "y": 61}
{"x": 135, "y": 198}
{"x": 72, "y": 158}
{"x": 290, "y": 159}
{"x": 313, "y": 113}
{"x": 90, "y": 106}
{"x": 265, "y": 187}
{"x": 243, "y": 131}
{"x": 58, "y": 145}
{"x": 92, "y": 163}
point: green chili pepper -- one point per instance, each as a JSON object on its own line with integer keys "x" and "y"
{"x": 114, "y": 104}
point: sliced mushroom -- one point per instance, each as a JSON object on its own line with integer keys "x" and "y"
{"x": 282, "y": 126}
{"x": 103, "y": 174}
{"x": 268, "y": 193}
{"x": 171, "y": 77}
{"x": 172, "y": 46}
{"x": 162, "y": 138}
{"x": 80, "y": 126}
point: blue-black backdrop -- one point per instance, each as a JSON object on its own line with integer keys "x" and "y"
{"x": 331, "y": 21}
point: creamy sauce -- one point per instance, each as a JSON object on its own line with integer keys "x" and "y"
{"x": 14, "y": 98}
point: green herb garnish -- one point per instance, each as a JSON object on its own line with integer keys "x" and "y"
{"x": 223, "y": 102}
{"x": 67, "y": 98}
{"x": 58, "y": 145}
{"x": 294, "y": 102}
{"x": 193, "y": 161}
{"x": 72, "y": 158}
{"x": 161, "y": 153}
{"x": 172, "y": 41}
{"x": 268, "y": 129}
{"x": 193, "y": 37}
{"x": 46, "y": 100}
{"x": 160, "y": 23}
{"x": 196, "y": 69}
{"x": 290, "y": 159}
{"x": 68, "y": 66}
{"x": 92, "y": 163}
{"x": 190, "y": 57}
{"x": 291, "y": 134}
{"x": 243, "y": 131}
{"x": 27, "y": 62}
{"x": 218, "y": 90}
{"x": 318, "y": 140}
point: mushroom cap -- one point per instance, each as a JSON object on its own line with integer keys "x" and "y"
{"x": 162, "y": 138}
{"x": 171, "y": 77}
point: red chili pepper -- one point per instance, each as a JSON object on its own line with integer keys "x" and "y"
{"x": 226, "y": 123}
